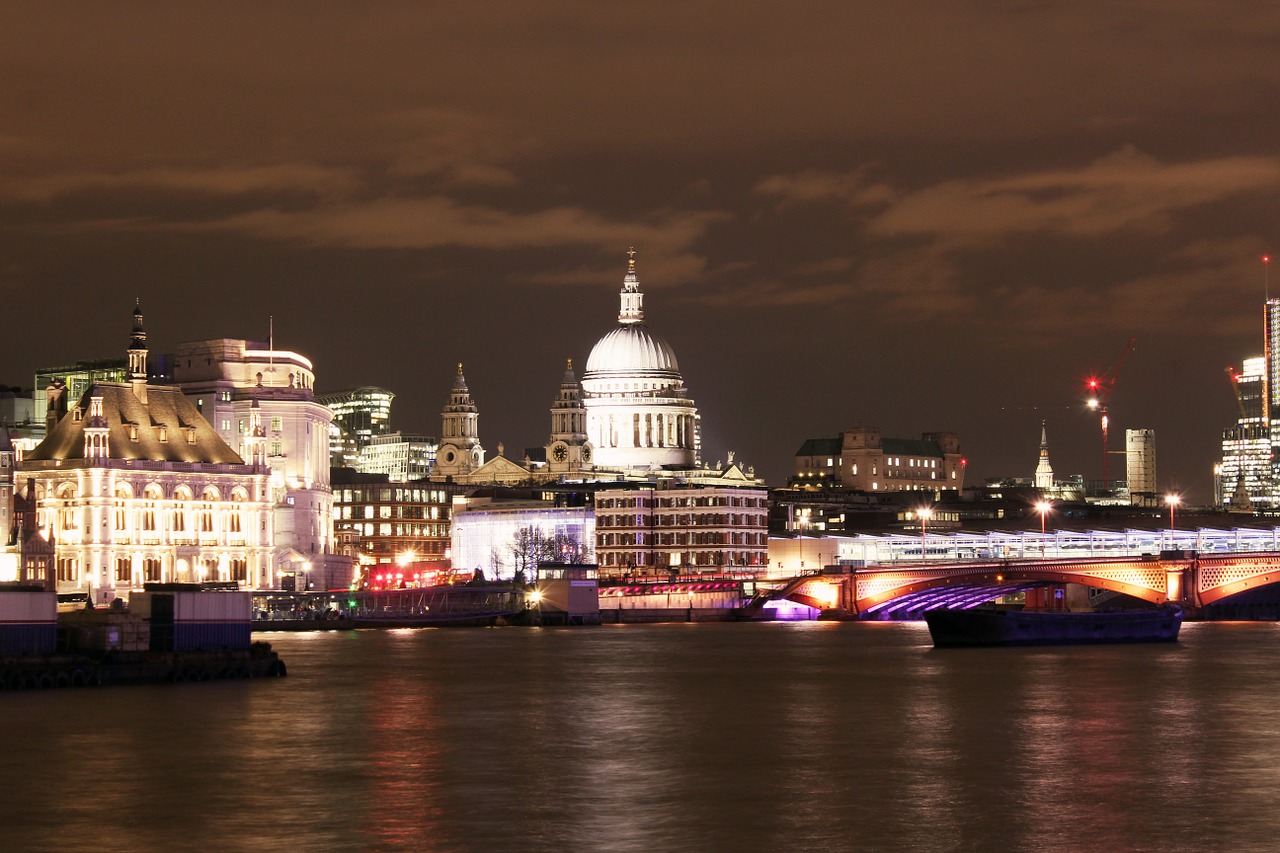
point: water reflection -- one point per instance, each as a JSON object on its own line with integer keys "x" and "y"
{"x": 814, "y": 736}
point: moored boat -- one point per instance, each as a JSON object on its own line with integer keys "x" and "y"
{"x": 987, "y": 626}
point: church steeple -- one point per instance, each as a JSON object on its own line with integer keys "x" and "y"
{"x": 460, "y": 451}
{"x": 568, "y": 449}
{"x": 1044, "y": 471}
{"x": 632, "y": 310}
{"x": 138, "y": 355}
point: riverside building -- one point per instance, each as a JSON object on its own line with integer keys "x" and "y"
{"x": 133, "y": 485}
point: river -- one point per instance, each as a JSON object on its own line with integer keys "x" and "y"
{"x": 813, "y": 736}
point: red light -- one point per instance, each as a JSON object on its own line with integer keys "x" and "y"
{"x": 1266, "y": 259}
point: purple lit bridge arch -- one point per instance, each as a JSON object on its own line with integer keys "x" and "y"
{"x": 906, "y": 591}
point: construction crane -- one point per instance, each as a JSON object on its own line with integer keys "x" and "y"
{"x": 1099, "y": 389}
{"x": 1235, "y": 388}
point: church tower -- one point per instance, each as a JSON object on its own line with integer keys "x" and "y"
{"x": 460, "y": 451}
{"x": 568, "y": 449}
{"x": 138, "y": 356}
{"x": 1044, "y": 471}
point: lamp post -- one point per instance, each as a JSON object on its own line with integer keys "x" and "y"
{"x": 924, "y": 513}
{"x": 1043, "y": 507}
{"x": 1172, "y": 500}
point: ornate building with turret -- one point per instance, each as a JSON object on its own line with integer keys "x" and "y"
{"x": 133, "y": 485}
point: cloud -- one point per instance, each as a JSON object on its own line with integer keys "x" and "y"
{"x": 1125, "y": 191}
{"x": 810, "y": 187}
{"x": 305, "y": 178}
{"x": 460, "y": 149}
{"x": 437, "y": 221}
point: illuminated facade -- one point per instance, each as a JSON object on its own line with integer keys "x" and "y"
{"x": 134, "y": 485}
{"x": 227, "y": 379}
{"x": 1245, "y": 475}
{"x": 687, "y": 529}
{"x": 863, "y": 460}
{"x": 380, "y": 521}
{"x": 1140, "y": 465}
{"x": 74, "y": 380}
{"x": 460, "y": 452}
{"x": 402, "y": 457}
{"x": 638, "y": 412}
{"x": 501, "y": 538}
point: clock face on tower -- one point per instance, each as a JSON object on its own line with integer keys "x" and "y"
{"x": 586, "y": 453}
{"x": 560, "y": 453}
{"x": 449, "y": 456}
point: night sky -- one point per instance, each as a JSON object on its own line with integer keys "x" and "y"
{"x": 934, "y": 216}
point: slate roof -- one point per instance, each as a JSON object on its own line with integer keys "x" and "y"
{"x": 166, "y": 407}
{"x": 821, "y": 447}
{"x": 910, "y": 447}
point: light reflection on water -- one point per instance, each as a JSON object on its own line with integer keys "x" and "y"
{"x": 814, "y": 736}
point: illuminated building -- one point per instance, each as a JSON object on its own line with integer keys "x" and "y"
{"x": 501, "y": 537}
{"x": 358, "y": 415}
{"x": 1245, "y": 475}
{"x": 402, "y": 457}
{"x": 460, "y": 452}
{"x": 862, "y": 460}
{"x": 687, "y": 529}
{"x": 638, "y": 412}
{"x": 1140, "y": 465}
{"x": 384, "y": 522}
{"x": 134, "y": 485}
{"x": 569, "y": 451}
{"x": 226, "y": 379}
{"x": 1044, "y": 471}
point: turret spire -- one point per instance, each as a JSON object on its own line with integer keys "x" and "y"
{"x": 632, "y": 310}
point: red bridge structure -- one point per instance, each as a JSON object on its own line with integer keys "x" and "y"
{"x": 1186, "y": 578}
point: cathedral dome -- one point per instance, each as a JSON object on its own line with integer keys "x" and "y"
{"x": 631, "y": 349}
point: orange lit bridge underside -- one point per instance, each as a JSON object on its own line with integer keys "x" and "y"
{"x": 1190, "y": 581}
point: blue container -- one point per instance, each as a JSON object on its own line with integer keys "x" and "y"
{"x": 34, "y": 638}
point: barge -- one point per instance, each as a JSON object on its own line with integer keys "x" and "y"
{"x": 986, "y": 626}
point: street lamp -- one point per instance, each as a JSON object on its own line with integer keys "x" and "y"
{"x": 1043, "y": 507}
{"x": 1172, "y": 500}
{"x": 924, "y": 513}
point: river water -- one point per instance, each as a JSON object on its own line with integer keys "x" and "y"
{"x": 814, "y": 736}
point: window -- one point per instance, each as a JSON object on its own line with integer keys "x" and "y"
{"x": 124, "y": 570}
{"x": 277, "y": 424}
{"x": 151, "y": 570}
{"x": 67, "y": 569}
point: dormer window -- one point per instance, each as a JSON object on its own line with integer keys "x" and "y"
{"x": 133, "y": 432}
{"x": 77, "y": 415}
{"x": 163, "y": 433}
{"x": 191, "y": 435}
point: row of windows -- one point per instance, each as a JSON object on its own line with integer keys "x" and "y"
{"x": 390, "y": 511}
{"x": 693, "y": 520}
{"x": 385, "y": 494}
{"x": 151, "y": 570}
{"x": 646, "y": 502}
{"x": 438, "y": 531}
{"x": 622, "y": 540}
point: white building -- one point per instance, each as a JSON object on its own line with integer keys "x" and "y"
{"x": 638, "y": 413}
{"x": 488, "y": 536}
{"x": 226, "y": 378}
{"x": 134, "y": 485}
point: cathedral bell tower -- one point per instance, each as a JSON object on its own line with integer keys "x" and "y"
{"x": 568, "y": 449}
{"x": 460, "y": 451}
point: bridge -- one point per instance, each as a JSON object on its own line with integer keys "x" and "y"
{"x": 958, "y": 570}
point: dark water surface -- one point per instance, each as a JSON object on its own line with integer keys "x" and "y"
{"x": 817, "y": 736}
